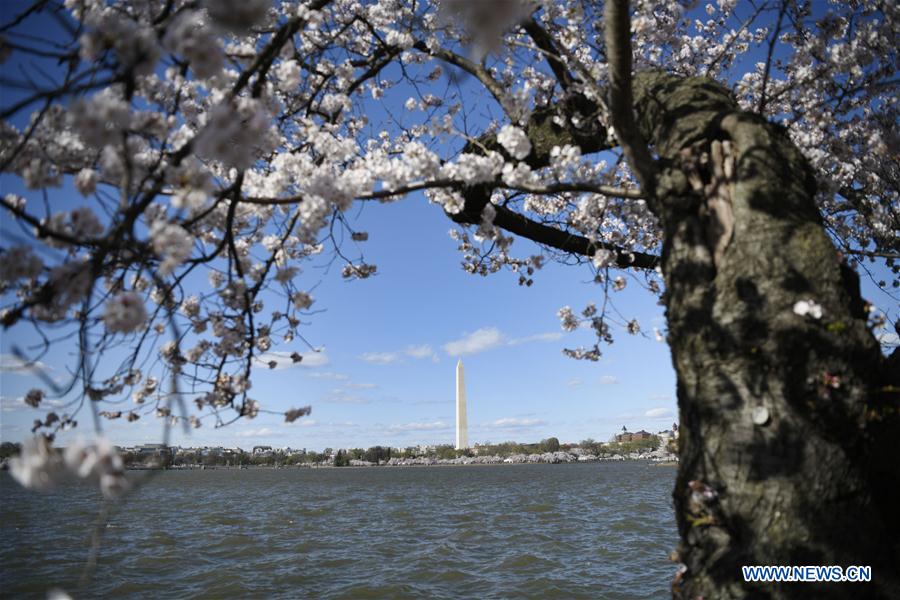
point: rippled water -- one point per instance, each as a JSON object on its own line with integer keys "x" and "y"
{"x": 513, "y": 531}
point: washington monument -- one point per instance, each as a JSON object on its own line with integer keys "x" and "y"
{"x": 462, "y": 421}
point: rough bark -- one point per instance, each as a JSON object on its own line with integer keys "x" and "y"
{"x": 789, "y": 429}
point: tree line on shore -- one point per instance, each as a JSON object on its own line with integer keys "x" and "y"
{"x": 375, "y": 454}
{"x": 381, "y": 454}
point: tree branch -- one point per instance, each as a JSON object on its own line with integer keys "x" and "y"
{"x": 621, "y": 102}
{"x": 552, "y": 188}
{"x": 519, "y": 224}
{"x": 545, "y": 43}
{"x": 477, "y": 70}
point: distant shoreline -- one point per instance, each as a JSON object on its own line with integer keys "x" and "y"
{"x": 395, "y": 463}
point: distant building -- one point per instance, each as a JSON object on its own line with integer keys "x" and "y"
{"x": 265, "y": 450}
{"x": 634, "y": 437}
{"x": 151, "y": 449}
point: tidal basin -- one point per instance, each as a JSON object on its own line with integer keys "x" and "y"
{"x": 598, "y": 530}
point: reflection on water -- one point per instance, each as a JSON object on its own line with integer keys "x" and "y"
{"x": 526, "y": 531}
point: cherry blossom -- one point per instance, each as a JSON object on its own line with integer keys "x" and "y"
{"x": 125, "y": 313}
{"x": 38, "y": 465}
{"x": 808, "y": 307}
{"x": 19, "y": 263}
{"x": 33, "y": 397}
{"x": 515, "y": 141}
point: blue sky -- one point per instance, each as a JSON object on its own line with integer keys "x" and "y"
{"x": 390, "y": 344}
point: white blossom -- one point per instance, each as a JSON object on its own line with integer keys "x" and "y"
{"x": 808, "y": 307}
{"x": 192, "y": 37}
{"x": 86, "y": 182}
{"x": 237, "y": 15}
{"x": 401, "y": 39}
{"x": 216, "y": 278}
{"x": 568, "y": 319}
{"x": 288, "y": 73}
{"x": 100, "y": 462}
{"x": 302, "y": 300}
{"x": 19, "y": 262}
{"x": 38, "y": 465}
{"x": 515, "y": 141}
{"x": 190, "y": 307}
{"x": 125, "y": 313}
{"x": 172, "y": 243}
{"x": 78, "y": 224}
{"x": 234, "y": 132}
{"x": 135, "y": 44}
{"x": 192, "y": 184}
{"x": 603, "y": 258}
{"x": 518, "y": 175}
{"x": 101, "y": 119}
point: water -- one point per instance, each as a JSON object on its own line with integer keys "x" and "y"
{"x": 598, "y": 530}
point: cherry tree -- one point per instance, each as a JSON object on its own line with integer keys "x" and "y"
{"x": 737, "y": 159}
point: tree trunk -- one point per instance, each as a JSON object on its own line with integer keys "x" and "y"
{"x": 789, "y": 427}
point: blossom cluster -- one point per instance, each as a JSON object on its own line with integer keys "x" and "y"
{"x": 40, "y": 466}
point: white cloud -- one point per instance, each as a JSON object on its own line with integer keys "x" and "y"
{"x": 328, "y": 375}
{"x": 421, "y": 351}
{"x": 448, "y": 401}
{"x": 475, "y": 342}
{"x": 9, "y": 404}
{"x": 248, "y": 433}
{"x": 340, "y": 396}
{"x": 387, "y": 358}
{"x": 360, "y": 386}
{"x": 424, "y": 426}
{"x": 514, "y": 423}
{"x": 10, "y": 363}
{"x": 538, "y": 337}
{"x": 608, "y": 380}
{"x": 658, "y": 413}
{"x": 380, "y": 358}
{"x": 488, "y": 338}
{"x": 574, "y": 382}
{"x": 283, "y": 360}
